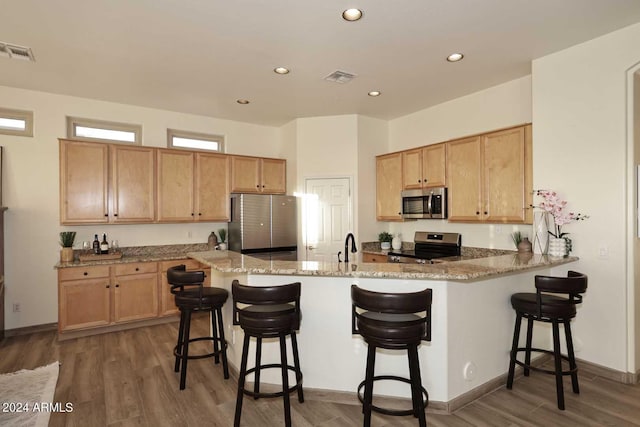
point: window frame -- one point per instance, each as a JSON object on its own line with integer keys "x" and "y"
{"x": 26, "y": 116}
{"x": 175, "y": 133}
{"x": 73, "y": 122}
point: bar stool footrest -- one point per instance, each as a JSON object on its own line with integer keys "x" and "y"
{"x": 546, "y": 371}
{"x": 394, "y": 412}
{"x": 290, "y": 390}
{"x": 223, "y": 347}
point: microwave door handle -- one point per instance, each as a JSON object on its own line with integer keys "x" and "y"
{"x": 429, "y": 199}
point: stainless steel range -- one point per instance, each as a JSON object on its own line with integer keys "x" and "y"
{"x": 429, "y": 246}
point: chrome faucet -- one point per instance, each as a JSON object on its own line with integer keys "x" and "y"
{"x": 354, "y": 249}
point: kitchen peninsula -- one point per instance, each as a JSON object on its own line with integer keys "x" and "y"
{"x": 472, "y": 319}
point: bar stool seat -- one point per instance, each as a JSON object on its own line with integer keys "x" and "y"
{"x": 268, "y": 312}
{"x": 394, "y": 321}
{"x": 546, "y": 307}
{"x": 191, "y": 296}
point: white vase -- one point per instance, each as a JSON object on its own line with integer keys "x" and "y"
{"x": 542, "y": 222}
{"x": 557, "y": 247}
{"x": 385, "y": 245}
{"x": 396, "y": 243}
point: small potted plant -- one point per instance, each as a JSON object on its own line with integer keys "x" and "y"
{"x": 223, "y": 239}
{"x": 66, "y": 241}
{"x": 385, "y": 239}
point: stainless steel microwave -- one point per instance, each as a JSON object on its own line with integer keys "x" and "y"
{"x": 428, "y": 203}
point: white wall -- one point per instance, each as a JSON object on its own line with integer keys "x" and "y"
{"x": 372, "y": 140}
{"x": 580, "y": 150}
{"x": 505, "y": 105}
{"x": 31, "y": 190}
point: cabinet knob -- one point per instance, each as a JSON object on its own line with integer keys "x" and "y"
{"x": 419, "y": 180}
{"x": 192, "y": 214}
{"x": 107, "y": 286}
{"x": 117, "y": 285}
{"x": 137, "y": 269}
{"x": 115, "y": 214}
{"x": 85, "y": 273}
{"x": 258, "y": 186}
{"x": 263, "y": 186}
{"x": 106, "y": 214}
{"x": 486, "y": 213}
{"x": 477, "y": 213}
{"x": 199, "y": 213}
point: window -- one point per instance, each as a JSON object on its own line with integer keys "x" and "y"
{"x": 16, "y": 122}
{"x": 194, "y": 141}
{"x": 97, "y": 130}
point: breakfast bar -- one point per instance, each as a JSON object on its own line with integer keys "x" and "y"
{"x": 472, "y": 319}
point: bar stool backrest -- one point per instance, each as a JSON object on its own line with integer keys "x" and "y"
{"x": 418, "y": 303}
{"x": 244, "y": 295}
{"x": 181, "y": 280}
{"x": 573, "y": 285}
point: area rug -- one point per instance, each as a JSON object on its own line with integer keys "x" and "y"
{"x": 26, "y": 396}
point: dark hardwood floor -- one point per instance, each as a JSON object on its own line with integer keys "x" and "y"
{"x": 126, "y": 379}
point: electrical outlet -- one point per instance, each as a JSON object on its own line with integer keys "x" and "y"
{"x": 16, "y": 307}
{"x": 498, "y": 229}
{"x": 189, "y": 234}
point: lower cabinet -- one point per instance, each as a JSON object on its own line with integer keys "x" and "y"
{"x": 135, "y": 294}
{"x": 107, "y": 295}
{"x": 368, "y": 257}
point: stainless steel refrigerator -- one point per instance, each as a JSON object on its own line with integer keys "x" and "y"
{"x": 264, "y": 226}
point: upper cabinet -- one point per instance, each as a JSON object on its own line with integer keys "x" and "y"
{"x": 103, "y": 183}
{"x": 91, "y": 192}
{"x": 192, "y": 186}
{"x": 258, "y": 175}
{"x": 490, "y": 177}
{"x": 389, "y": 187}
{"x": 424, "y": 167}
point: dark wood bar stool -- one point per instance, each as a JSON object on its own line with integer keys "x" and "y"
{"x": 394, "y": 321}
{"x": 268, "y": 312}
{"x": 191, "y": 296}
{"x": 546, "y": 306}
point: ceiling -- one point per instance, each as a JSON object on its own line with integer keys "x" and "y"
{"x": 200, "y": 56}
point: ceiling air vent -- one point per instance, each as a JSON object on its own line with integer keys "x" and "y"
{"x": 16, "y": 52}
{"x": 340, "y": 77}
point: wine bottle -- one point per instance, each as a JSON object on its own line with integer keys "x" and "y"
{"x": 104, "y": 245}
{"x": 96, "y": 245}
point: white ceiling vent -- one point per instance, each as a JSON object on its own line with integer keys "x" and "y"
{"x": 340, "y": 77}
{"x": 16, "y": 52}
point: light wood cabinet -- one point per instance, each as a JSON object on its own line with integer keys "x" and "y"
{"x": 424, "y": 167}
{"x": 133, "y": 184}
{"x": 106, "y": 183}
{"x": 83, "y": 298}
{"x": 367, "y": 257}
{"x": 101, "y": 296}
{"x": 489, "y": 177}
{"x": 135, "y": 294}
{"x": 389, "y": 187}
{"x": 192, "y": 186}
{"x": 212, "y": 187}
{"x": 258, "y": 175}
{"x": 84, "y": 168}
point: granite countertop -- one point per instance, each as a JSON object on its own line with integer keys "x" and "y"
{"x": 463, "y": 270}
{"x": 140, "y": 254}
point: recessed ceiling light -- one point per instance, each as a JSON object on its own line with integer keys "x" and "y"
{"x": 352, "y": 14}
{"x": 281, "y": 70}
{"x": 243, "y": 101}
{"x": 374, "y": 93}
{"x": 455, "y": 57}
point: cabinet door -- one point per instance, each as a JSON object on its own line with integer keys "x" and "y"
{"x": 83, "y": 182}
{"x": 83, "y": 303}
{"x": 412, "y": 169}
{"x": 273, "y": 176}
{"x": 464, "y": 180}
{"x": 504, "y": 157}
{"x": 434, "y": 160}
{"x": 175, "y": 186}
{"x": 245, "y": 174}
{"x": 212, "y": 187}
{"x": 389, "y": 187}
{"x": 135, "y": 297}
{"x": 133, "y": 184}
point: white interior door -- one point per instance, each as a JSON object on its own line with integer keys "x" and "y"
{"x": 327, "y": 217}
